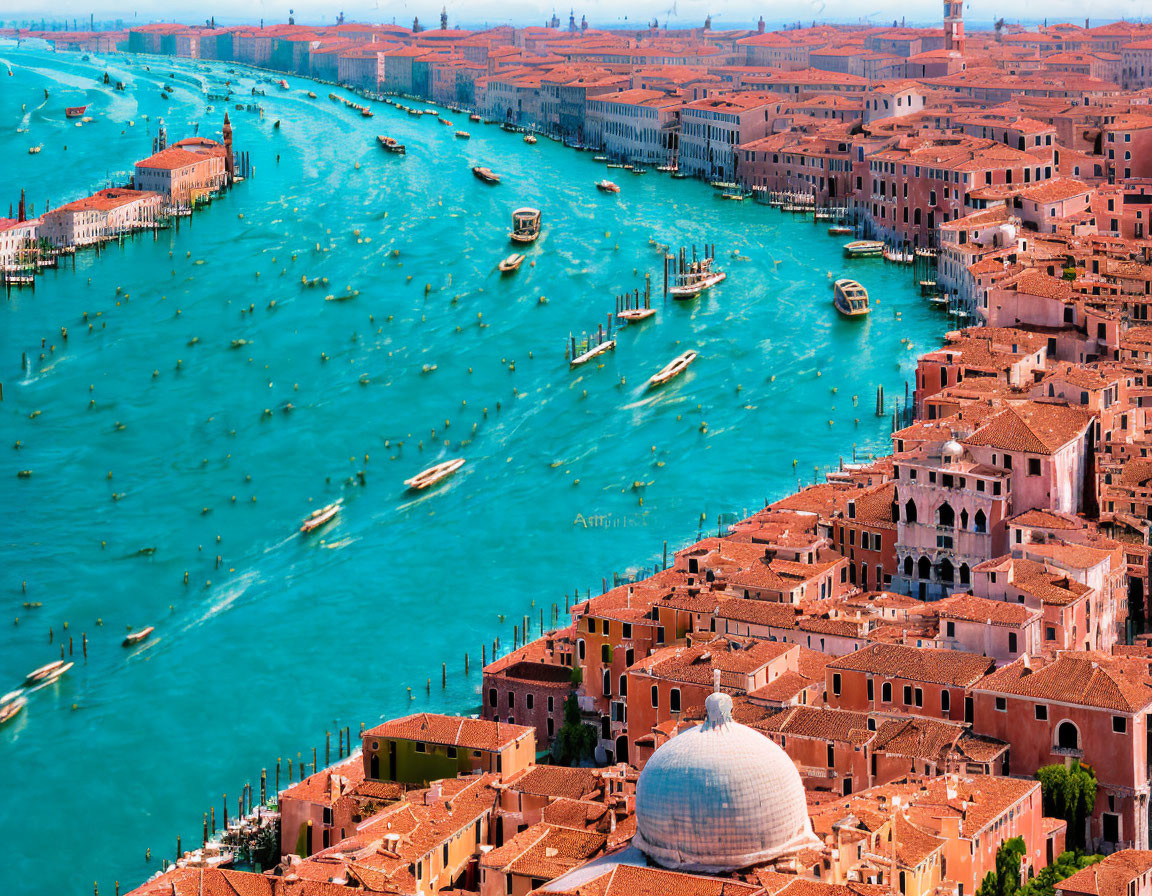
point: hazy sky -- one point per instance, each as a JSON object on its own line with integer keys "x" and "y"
{"x": 599, "y": 12}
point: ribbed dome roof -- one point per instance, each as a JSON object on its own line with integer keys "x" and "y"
{"x": 720, "y": 797}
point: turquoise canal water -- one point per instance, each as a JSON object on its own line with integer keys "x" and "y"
{"x": 294, "y": 636}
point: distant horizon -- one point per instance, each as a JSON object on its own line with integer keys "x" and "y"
{"x": 690, "y": 14}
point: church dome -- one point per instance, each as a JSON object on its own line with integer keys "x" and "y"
{"x": 720, "y": 796}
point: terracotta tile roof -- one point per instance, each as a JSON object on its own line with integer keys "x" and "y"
{"x": 457, "y": 731}
{"x": 172, "y": 158}
{"x": 954, "y": 668}
{"x": 557, "y": 781}
{"x": 1088, "y": 679}
{"x": 1110, "y": 877}
{"x": 819, "y": 723}
{"x": 968, "y": 608}
{"x": 1034, "y": 428}
{"x": 545, "y": 851}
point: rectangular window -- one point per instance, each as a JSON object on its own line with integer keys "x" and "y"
{"x": 627, "y": 630}
{"x": 451, "y": 752}
{"x": 1001, "y": 704}
{"x": 1041, "y": 712}
{"x": 1119, "y": 724}
{"x": 528, "y": 701}
{"x": 1033, "y": 466}
{"x": 655, "y": 697}
{"x": 836, "y": 683}
{"x": 907, "y": 695}
{"x": 919, "y": 693}
{"x": 420, "y": 748}
{"x": 674, "y": 700}
{"x": 1011, "y": 642}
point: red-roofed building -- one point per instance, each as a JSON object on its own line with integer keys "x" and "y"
{"x": 183, "y": 173}
{"x": 104, "y": 215}
{"x": 422, "y": 747}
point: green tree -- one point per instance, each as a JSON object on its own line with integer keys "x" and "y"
{"x": 1005, "y": 880}
{"x": 1069, "y": 793}
{"x": 1066, "y": 864}
{"x": 575, "y": 741}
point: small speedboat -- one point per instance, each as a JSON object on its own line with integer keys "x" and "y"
{"x": 311, "y": 95}
{"x": 55, "y": 673}
{"x": 444, "y": 121}
{"x": 672, "y": 369}
{"x": 38, "y": 675}
{"x": 839, "y": 230}
{"x": 635, "y": 314}
{"x": 529, "y": 139}
{"x": 432, "y": 475}
{"x": 9, "y": 710}
{"x": 862, "y": 248}
{"x": 318, "y": 518}
{"x": 473, "y": 117}
{"x": 462, "y": 135}
{"x": 486, "y": 174}
{"x": 511, "y": 263}
{"x": 606, "y": 186}
{"x": 525, "y": 225}
{"x": 597, "y": 350}
{"x": 74, "y": 111}
{"x": 137, "y": 637}
{"x": 850, "y": 298}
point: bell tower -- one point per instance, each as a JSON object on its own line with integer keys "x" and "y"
{"x": 954, "y": 25}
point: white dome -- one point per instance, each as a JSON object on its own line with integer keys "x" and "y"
{"x": 951, "y": 451}
{"x": 719, "y": 797}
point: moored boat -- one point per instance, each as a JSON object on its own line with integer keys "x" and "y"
{"x": 529, "y": 139}
{"x": 511, "y": 263}
{"x": 463, "y": 135}
{"x": 839, "y": 230}
{"x": 473, "y": 117}
{"x": 695, "y": 283}
{"x": 850, "y": 298}
{"x": 606, "y": 346}
{"x": 389, "y": 144}
{"x": 136, "y": 637}
{"x": 525, "y": 225}
{"x": 38, "y": 675}
{"x": 862, "y": 248}
{"x": 318, "y": 518}
{"x": 634, "y": 315}
{"x": 426, "y": 478}
{"x": 672, "y": 369}
{"x": 74, "y": 111}
{"x": 486, "y": 174}
{"x": 606, "y": 186}
{"x": 9, "y": 710}
{"x": 311, "y": 95}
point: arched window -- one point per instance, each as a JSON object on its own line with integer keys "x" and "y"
{"x": 945, "y": 515}
{"x": 886, "y": 692}
{"x": 963, "y": 519}
{"x": 910, "y": 511}
{"x": 580, "y": 648}
{"x": 924, "y": 569}
{"x": 909, "y": 567}
{"x": 607, "y": 683}
{"x": 605, "y": 653}
{"x": 1067, "y": 737}
{"x": 947, "y": 572}
{"x": 965, "y": 574}
{"x": 980, "y": 523}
